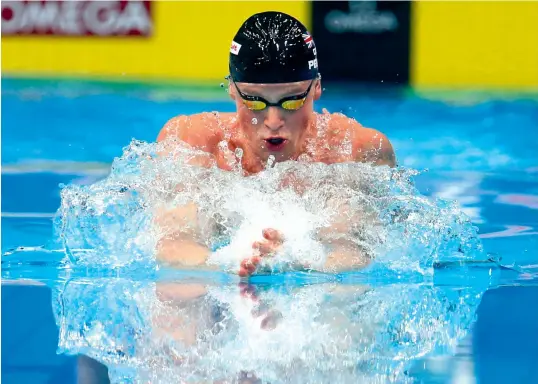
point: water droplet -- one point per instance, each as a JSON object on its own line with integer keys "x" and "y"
{"x": 270, "y": 161}
{"x": 254, "y": 121}
{"x": 239, "y": 153}
{"x": 222, "y": 85}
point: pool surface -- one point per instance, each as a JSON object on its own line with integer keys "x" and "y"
{"x": 480, "y": 152}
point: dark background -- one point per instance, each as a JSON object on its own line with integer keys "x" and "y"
{"x": 377, "y": 47}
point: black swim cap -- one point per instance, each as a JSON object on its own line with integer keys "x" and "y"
{"x": 273, "y": 47}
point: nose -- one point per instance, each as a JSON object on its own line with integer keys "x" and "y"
{"x": 274, "y": 119}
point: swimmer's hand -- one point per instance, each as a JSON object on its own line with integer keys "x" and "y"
{"x": 342, "y": 255}
{"x": 271, "y": 244}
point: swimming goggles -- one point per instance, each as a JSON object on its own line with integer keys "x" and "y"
{"x": 290, "y": 103}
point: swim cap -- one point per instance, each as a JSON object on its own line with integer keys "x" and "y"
{"x": 272, "y": 47}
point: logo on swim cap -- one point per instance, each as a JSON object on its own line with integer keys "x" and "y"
{"x": 235, "y": 47}
{"x": 308, "y": 39}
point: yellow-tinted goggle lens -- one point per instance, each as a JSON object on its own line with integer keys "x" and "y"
{"x": 258, "y": 105}
{"x": 255, "y": 105}
{"x": 293, "y": 105}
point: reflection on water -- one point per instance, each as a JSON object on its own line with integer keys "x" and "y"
{"x": 188, "y": 331}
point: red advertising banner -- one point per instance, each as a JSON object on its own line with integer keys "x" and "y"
{"x": 77, "y": 18}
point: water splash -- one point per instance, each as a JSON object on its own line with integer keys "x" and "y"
{"x": 376, "y": 208}
{"x": 367, "y": 334}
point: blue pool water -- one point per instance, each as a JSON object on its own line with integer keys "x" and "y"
{"x": 478, "y": 323}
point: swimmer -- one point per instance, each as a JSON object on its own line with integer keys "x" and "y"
{"x": 274, "y": 80}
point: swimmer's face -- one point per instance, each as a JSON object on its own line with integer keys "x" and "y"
{"x": 275, "y": 130}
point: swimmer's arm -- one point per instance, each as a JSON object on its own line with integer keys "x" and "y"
{"x": 345, "y": 257}
{"x": 178, "y": 246}
{"x": 343, "y": 254}
{"x": 181, "y": 252}
{"x": 341, "y": 257}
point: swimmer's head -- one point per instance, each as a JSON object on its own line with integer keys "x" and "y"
{"x": 272, "y": 47}
{"x": 274, "y": 80}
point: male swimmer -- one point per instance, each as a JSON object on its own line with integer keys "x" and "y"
{"x": 274, "y": 80}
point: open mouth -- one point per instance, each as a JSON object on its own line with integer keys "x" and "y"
{"x": 275, "y": 140}
{"x": 275, "y": 143}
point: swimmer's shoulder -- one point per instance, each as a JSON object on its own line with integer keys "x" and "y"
{"x": 368, "y": 144}
{"x": 200, "y": 130}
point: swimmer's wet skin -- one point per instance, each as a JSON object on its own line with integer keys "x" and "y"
{"x": 274, "y": 80}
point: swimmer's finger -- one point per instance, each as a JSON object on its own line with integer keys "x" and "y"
{"x": 251, "y": 263}
{"x": 273, "y": 234}
{"x": 270, "y": 233}
{"x": 248, "y": 266}
{"x": 263, "y": 247}
{"x": 243, "y": 272}
{"x": 257, "y": 246}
